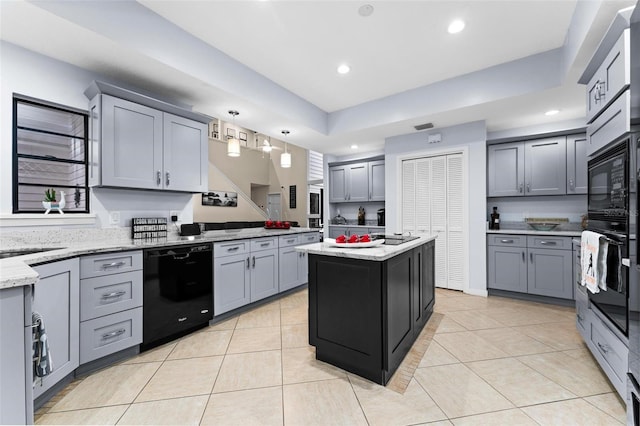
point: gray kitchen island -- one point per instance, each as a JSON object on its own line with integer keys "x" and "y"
{"x": 367, "y": 306}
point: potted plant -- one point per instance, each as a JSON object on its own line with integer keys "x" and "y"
{"x": 50, "y": 201}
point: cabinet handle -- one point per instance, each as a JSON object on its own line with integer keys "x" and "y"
{"x": 247, "y": 263}
{"x": 523, "y": 259}
{"x": 528, "y": 187}
{"x": 290, "y": 241}
{"x": 264, "y": 244}
{"x": 233, "y": 248}
{"x": 113, "y": 334}
{"x": 548, "y": 243}
{"x": 182, "y": 319}
{"x": 113, "y": 265}
{"x": 113, "y": 295}
{"x": 603, "y": 348}
{"x": 167, "y": 178}
{"x": 520, "y": 189}
{"x": 253, "y": 262}
{"x": 572, "y": 185}
{"x": 507, "y": 241}
{"x": 580, "y": 317}
{"x": 158, "y": 178}
{"x": 531, "y": 257}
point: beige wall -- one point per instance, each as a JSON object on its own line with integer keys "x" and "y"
{"x": 250, "y": 168}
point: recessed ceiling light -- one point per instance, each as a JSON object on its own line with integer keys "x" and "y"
{"x": 552, "y": 112}
{"x": 344, "y": 68}
{"x": 456, "y": 26}
{"x": 365, "y": 10}
{"x": 354, "y": 146}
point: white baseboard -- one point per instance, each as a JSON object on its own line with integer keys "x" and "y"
{"x": 477, "y": 292}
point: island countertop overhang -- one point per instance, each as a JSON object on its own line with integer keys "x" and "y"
{"x": 379, "y": 253}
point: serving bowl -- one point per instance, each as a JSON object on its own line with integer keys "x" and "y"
{"x": 543, "y": 226}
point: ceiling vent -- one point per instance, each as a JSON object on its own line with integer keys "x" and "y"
{"x": 424, "y": 126}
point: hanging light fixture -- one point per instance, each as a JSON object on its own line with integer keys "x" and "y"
{"x": 233, "y": 144}
{"x": 285, "y": 157}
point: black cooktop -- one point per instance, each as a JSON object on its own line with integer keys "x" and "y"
{"x": 394, "y": 240}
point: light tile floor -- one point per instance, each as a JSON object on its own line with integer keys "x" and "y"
{"x": 492, "y": 361}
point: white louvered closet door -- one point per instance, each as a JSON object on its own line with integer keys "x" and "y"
{"x": 408, "y": 196}
{"x": 455, "y": 222}
{"x": 433, "y": 202}
{"x": 423, "y": 200}
{"x": 439, "y": 216}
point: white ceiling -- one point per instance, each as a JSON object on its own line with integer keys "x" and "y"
{"x": 291, "y": 49}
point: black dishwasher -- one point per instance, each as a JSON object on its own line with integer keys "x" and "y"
{"x": 177, "y": 292}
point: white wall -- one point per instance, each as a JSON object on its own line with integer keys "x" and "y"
{"x": 472, "y": 137}
{"x": 38, "y": 76}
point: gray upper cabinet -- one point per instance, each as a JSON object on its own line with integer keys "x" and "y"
{"x": 537, "y": 167}
{"x": 337, "y": 184}
{"x": 357, "y": 182}
{"x": 545, "y": 166}
{"x": 56, "y": 298}
{"x": 576, "y": 164}
{"x": 376, "y": 180}
{"x": 611, "y": 78}
{"x": 506, "y": 170}
{"x": 136, "y": 146}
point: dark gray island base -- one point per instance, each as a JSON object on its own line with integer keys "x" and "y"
{"x": 365, "y": 313}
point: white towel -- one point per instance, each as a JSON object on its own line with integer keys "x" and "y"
{"x": 594, "y": 249}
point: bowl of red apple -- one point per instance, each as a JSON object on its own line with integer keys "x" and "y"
{"x": 353, "y": 239}
{"x": 276, "y": 224}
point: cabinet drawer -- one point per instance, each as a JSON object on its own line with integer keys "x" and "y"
{"x": 105, "y": 335}
{"x": 289, "y": 240}
{"x": 611, "y": 78}
{"x": 100, "y": 296}
{"x": 610, "y": 348}
{"x": 612, "y": 123}
{"x": 312, "y": 237}
{"x": 507, "y": 240}
{"x": 559, "y": 243}
{"x": 110, "y": 263}
{"x": 264, "y": 244}
{"x": 230, "y": 248}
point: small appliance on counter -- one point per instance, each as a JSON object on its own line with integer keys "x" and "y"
{"x": 381, "y": 217}
{"x": 339, "y": 220}
{"x": 189, "y": 229}
{"x": 361, "y": 216}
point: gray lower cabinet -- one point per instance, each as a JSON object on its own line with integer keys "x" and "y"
{"x": 244, "y": 271}
{"x": 550, "y": 273}
{"x": 55, "y": 298}
{"x": 110, "y": 303}
{"x": 539, "y": 265}
{"x": 294, "y": 267}
{"x": 15, "y": 356}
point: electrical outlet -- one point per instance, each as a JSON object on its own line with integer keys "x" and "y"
{"x": 175, "y": 213}
{"x": 114, "y": 218}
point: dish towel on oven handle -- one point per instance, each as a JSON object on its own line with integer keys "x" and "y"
{"x": 593, "y": 255}
{"x": 42, "y": 363}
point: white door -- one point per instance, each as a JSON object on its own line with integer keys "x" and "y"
{"x": 433, "y": 203}
{"x": 273, "y": 206}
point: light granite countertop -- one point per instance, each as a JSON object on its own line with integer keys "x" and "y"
{"x": 16, "y": 271}
{"x": 377, "y": 253}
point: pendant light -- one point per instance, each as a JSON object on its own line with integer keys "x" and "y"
{"x": 285, "y": 157}
{"x": 233, "y": 144}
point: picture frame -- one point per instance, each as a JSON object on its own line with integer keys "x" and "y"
{"x": 242, "y": 136}
{"x": 231, "y": 133}
{"x": 220, "y": 199}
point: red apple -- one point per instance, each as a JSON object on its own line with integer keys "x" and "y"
{"x": 287, "y": 225}
{"x": 269, "y": 224}
{"x": 341, "y": 239}
{"x": 278, "y": 224}
{"x": 365, "y": 238}
{"x": 353, "y": 238}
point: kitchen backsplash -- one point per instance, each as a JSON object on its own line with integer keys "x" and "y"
{"x": 516, "y": 209}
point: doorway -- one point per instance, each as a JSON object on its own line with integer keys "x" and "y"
{"x": 274, "y": 206}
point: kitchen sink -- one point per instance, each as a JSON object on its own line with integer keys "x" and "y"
{"x": 12, "y": 253}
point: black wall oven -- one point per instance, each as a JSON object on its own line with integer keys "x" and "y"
{"x": 611, "y": 183}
